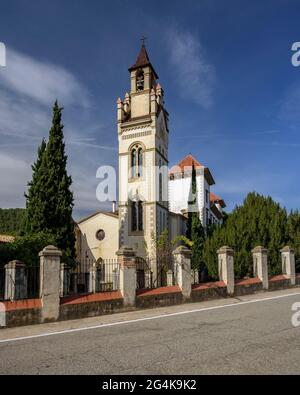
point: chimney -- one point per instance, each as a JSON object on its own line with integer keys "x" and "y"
{"x": 114, "y": 203}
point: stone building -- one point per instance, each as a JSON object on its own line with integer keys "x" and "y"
{"x": 151, "y": 198}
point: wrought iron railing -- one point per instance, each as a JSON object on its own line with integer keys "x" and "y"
{"x": 90, "y": 276}
{"x": 155, "y": 273}
{"x": 19, "y": 283}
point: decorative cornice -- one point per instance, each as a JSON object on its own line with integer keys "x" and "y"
{"x": 136, "y": 135}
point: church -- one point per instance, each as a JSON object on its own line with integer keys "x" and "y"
{"x": 152, "y": 196}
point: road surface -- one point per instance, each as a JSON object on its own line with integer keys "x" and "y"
{"x": 248, "y": 335}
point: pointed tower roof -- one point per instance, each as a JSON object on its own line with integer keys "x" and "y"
{"x": 143, "y": 61}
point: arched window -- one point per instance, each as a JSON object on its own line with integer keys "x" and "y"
{"x": 137, "y": 216}
{"x": 160, "y": 188}
{"x": 133, "y": 217}
{"x": 140, "y": 217}
{"x": 136, "y": 161}
{"x": 140, "y": 162}
{"x": 140, "y": 81}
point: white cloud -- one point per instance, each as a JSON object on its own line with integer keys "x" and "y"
{"x": 43, "y": 82}
{"x": 28, "y": 89}
{"x": 13, "y": 181}
{"x": 194, "y": 74}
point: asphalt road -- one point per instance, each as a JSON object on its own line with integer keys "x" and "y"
{"x": 251, "y": 335}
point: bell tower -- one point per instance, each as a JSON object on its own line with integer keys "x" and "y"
{"x": 143, "y": 136}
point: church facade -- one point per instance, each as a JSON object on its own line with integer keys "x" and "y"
{"x": 151, "y": 198}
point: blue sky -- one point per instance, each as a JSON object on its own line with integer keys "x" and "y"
{"x": 231, "y": 90}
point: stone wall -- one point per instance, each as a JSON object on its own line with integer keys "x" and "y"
{"x": 160, "y": 297}
{"x": 35, "y": 311}
{"x": 91, "y": 305}
{"x": 248, "y": 286}
{"x": 209, "y": 291}
{"x": 23, "y": 312}
{"x": 279, "y": 282}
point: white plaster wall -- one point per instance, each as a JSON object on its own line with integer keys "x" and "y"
{"x": 90, "y": 246}
{"x": 179, "y": 194}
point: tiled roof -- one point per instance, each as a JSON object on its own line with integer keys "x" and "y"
{"x": 186, "y": 164}
{"x": 109, "y": 213}
{"x": 216, "y": 199}
{"x": 6, "y": 239}
{"x": 142, "y": 59}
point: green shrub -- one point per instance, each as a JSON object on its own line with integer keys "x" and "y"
{"x": 259, "y": 221}
{"x": 25, "y": 248}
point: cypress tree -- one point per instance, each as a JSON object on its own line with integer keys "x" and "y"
{"x": 34, "y": 218}
{"x": 198, "y": 238}
{"x": 191, "y": 203}
{"x": 52, "y": 202}
{"x": 195, "y": 230}
{"x": 58, "y": 210}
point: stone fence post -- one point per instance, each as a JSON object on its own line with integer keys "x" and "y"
{"x": 226, "y": 267}
{"x": 288, "y": 264}
{"x": 260, "y": 265}
{"x": 92, "y": 277}
{"x": 126, "y": 257}
{"x": 15, "y": 281}
{"x": 50, "y": 283}
{"x": 182, "y": 260}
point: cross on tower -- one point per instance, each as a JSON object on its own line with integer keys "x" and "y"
{"x": 143, "y": 39}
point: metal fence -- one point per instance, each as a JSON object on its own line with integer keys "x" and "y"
{"x": 19, "y": 283}
{"x": 90, "y": 276}
{"x": 155, "y": 273}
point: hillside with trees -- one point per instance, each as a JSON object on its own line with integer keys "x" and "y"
{"x": 11, "y": 220}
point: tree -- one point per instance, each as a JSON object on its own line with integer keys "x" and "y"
{"x": 11, "y": 220}
{"x": 50, "y": 200}
{"x": 294, "y": 235}
{"x": 195, "y": 230}
{"x": 34, "y": 219}
{"x": 198, "y": 238}
{"x": 259, "y": 221}
{"x": 25, "y": 248}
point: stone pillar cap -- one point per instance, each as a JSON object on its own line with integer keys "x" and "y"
{"x": 259, "y": 249}
{"x": 50, "y": 251}
{"x": 287, "y": 249}
{"x": 126, "y": 251}
{"x": 14, "y": 264}
{"x": 225, "y": 250}
{"x": 182, "y": 250}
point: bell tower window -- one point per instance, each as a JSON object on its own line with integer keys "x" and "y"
{"x": 137, "y": 216}
{"x": 133, "y": 162}
{"x": 140, "y": 81}
{"x": 136, "y": 161}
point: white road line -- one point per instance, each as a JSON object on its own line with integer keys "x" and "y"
{"x": 88, "y": 328}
